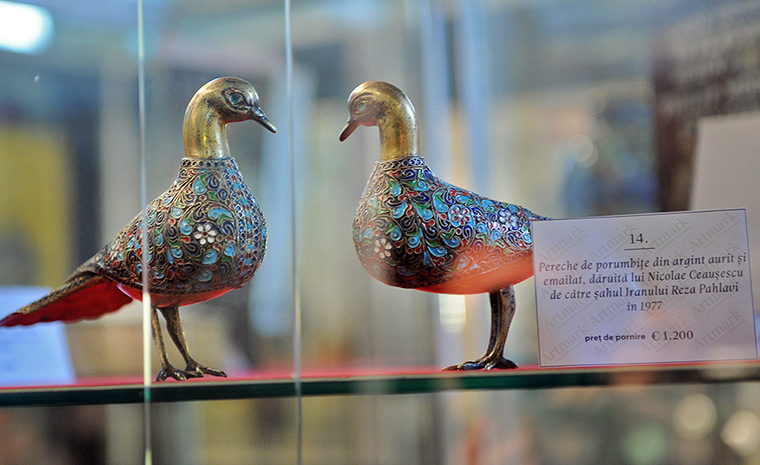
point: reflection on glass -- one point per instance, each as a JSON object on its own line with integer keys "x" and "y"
{"x": 25, "y": 28}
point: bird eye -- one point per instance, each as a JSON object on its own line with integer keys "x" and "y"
{"x": 236, "y": 98}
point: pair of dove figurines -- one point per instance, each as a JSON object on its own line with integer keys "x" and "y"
{"x": 206, "y": 234}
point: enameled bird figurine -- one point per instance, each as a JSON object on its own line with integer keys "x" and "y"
{"x": 413, "y": 230}
{"x": 205, "y": 234}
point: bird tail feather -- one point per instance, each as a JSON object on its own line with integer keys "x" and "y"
{"x": 85, "y": 296}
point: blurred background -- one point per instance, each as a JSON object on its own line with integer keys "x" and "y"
{"x": 568, "y": 108}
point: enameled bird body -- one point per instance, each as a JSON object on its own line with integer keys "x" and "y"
{"x": 413, "y": 230}
{"x": 205, "y": 234}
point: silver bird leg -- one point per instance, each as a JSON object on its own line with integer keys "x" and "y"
{"x": 174, "y": 327}
{"x": 502, "y": 312}
{"x": 167, "y": 370}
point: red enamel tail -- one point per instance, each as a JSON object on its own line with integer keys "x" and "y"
{"x": 85, "y": 296}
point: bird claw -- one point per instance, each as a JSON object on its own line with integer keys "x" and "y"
{"x": 171, "y": 372}
{"x": 484, "y": 364}
{"x": 191, "y": 371}
{"x": 501, "y": 364}
{"x": 196, "y": 370}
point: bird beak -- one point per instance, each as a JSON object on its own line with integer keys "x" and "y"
{"x": 351, "y": 125}
{"x": 260, "y": 117}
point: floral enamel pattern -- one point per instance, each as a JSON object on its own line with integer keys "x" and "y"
{"x": 205, "y": 233}
{"x": 413, "y": 230}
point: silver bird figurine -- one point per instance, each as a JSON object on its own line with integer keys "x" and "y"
{"x": 414, "y": 230}
{"x": 205, "y": 235}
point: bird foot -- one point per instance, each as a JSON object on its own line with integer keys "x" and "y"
{"x": 500, "y": 363}
{"x": 196, "y": 370}
{"x": 193, "y": 370}
{"x": 171, "y": 372}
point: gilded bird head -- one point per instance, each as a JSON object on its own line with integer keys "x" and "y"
{"x": 377, "y": 103}
{"x": 232, "y": 100}
{"x": 373, "y": 101}
{"x": 221, "y": 101}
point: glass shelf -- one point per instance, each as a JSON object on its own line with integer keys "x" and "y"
{"x": 371, "y": 383}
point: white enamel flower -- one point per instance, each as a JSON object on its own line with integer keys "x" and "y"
{"x": 382, "y": 248}
{"x": 205, "y": 233}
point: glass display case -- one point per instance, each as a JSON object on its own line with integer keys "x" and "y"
{"x": 571, "y": 109}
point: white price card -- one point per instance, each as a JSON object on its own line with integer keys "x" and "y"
{"x": 651, "y": 288}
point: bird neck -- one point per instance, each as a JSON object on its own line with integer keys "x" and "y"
{"x": 204, "y": 134}
{"x": 399, "y": 134}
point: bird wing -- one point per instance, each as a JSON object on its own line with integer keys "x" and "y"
{"x": 83, "y": 296}
{"x": 205, "y": 234}
{"x": 415, "y": 230}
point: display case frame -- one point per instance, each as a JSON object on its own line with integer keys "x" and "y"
{"x": 497, "y": 120}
